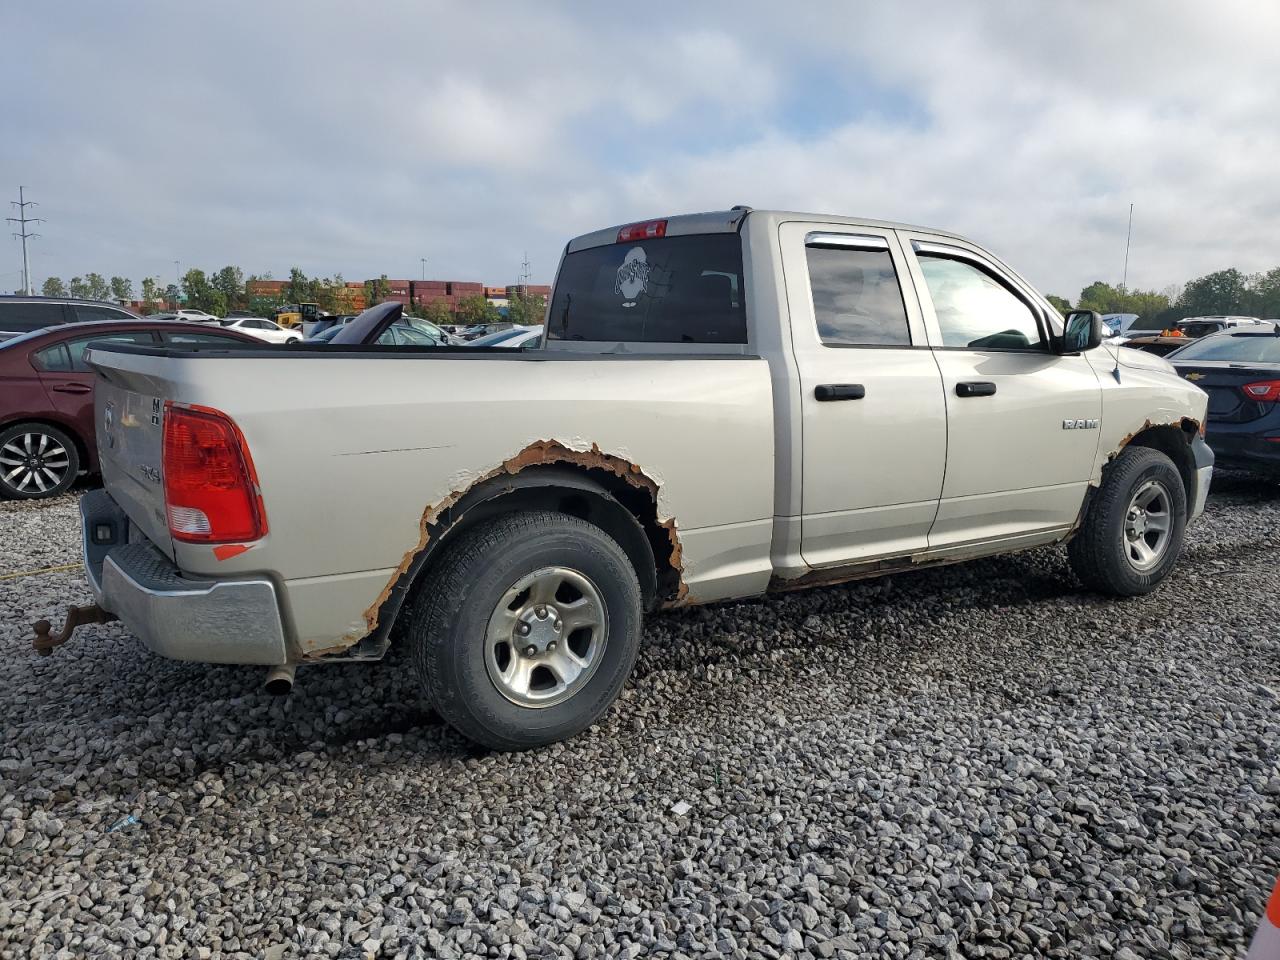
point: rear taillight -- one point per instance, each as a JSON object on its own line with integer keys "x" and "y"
{"x": 210, "y": 487}
{"x": 1267, "y": 391}
{"x": 642, "y": 231}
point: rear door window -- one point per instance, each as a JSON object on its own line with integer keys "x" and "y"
{"x": 54, "y": 359}
{"x": 662, "y": 290}
{"x": 25, "y": 317}
{"x": 857, "y": 300}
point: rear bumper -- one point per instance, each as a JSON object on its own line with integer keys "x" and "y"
{"x": 182, "y": 618}
{"x": 1245, "y": 446}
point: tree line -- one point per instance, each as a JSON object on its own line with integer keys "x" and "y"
{"x": 221, "y": 291}
{"x": 1224, "y": 292}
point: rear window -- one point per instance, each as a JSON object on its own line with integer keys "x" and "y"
{"x": 666, "y": 290}
{"x": 1245, "y": 347}
{"x": 25, "y": 317}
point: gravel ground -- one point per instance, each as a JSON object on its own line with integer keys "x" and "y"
{"x": 978, "y": 761}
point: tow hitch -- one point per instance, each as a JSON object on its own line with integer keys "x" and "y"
{"x": 44, "y": 641}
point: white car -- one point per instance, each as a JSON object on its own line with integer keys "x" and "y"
{"x": 195, "y": 316}
{"x": 263, "y": 329}
{"x": 1203, "y": 326}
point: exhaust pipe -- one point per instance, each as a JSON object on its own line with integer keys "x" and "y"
{"x": 280, "y": 679}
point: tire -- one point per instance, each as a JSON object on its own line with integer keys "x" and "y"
{"x": 37, "y": 461}
{"x": 1105, "y": 554}
{"x": 492, "y": 583}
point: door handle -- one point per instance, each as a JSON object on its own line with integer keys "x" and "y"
{"x": 839, "y": 391}
{"x": 976, "y": 388}
{"x": 72, "y": 388}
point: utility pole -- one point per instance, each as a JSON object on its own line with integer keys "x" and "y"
{"x": 524, "y": 270}
{"x": 22, "y": 220}
{"x": 424, "y": 267}
{"x": 1124, "y": 280}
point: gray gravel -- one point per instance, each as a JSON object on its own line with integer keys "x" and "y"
{"x": 979, "y": 761}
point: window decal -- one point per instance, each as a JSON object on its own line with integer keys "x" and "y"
{"x": 633, "y": 276}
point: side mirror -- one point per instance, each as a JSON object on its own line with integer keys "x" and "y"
{"x": 1082, "y": 331}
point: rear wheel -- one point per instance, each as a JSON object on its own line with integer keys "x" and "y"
{"x": 1132, "y": 534}
{"x": 36, "y": 461}
{"x": 527, "y": 629}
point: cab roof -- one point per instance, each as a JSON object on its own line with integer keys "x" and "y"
{"x": 728, "y": 221}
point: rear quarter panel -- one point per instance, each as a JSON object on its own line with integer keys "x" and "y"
{"x": 352, "y": 452}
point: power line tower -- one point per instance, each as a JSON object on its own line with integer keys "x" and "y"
{"x": 524, "y": 270}
{"x": 22, "y": 220}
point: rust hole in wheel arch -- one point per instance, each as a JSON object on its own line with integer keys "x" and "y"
{"x": 538, "y": 453}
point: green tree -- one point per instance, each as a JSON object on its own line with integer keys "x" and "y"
{"x": 437, "y": 312}
{"x": 79, "y": 289}
{"x": 172, "y": 294}
{"x": 201, "y": 294}
{"x": 121, "y": 288}
{"x": 1105, "y": 298}
{"x": 99, "y": 289}
{"x": 1264, "y": 294}
{"x": 375, "y": 290}
{"x": 229, "y": 281}
{"x": 53, "y": 287}
{"x": 1222, "y": 292}
{"x": 1061, "y": 304}
{"x": 150, "y": 294}
{"x": 476, "y": 309}
{"x": 530, "y": 311}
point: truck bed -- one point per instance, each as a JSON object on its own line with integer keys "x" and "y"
{"x": 355, "y": 448}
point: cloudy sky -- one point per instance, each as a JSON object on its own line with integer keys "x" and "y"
{"x": 357, "y": 138}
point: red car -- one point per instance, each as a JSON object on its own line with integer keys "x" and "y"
{"x": 46, "y": 398}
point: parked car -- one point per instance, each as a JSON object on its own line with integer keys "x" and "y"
{"x": 262, "y": 328}
{"x": 46, "y": 398}
{"x": 398, "y": 334}
{"x": 869, "y": 397}
{"x": 1158, "y": 344}
{"x": 1118, "y": 324}
{"x": 478, "y": 330}
{"x": 1240, "y": 371}
{"x": 312, "y": 327}
{"x": 1203, "y": 326}
{"x": 517, "y": 338}
{"x": 437, "y": 333}
{"x": 195, "y": 316}
{"x": 24, "y": 314}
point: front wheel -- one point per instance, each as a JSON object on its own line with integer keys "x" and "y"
{"x": 527, "y": 629}
{"x": 1132, "y": 534}
{"x": 36, "y": 461}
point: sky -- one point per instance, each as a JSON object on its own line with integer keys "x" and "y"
{"x": 358, "y": 138}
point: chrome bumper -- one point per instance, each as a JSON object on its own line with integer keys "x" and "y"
{"x": 1204, "y": 475}
{"x": 182, "y": 618}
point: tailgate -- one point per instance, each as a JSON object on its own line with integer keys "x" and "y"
{"x": 129, "y": 418}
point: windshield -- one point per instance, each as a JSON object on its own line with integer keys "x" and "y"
{"x": 1241, "y": 347}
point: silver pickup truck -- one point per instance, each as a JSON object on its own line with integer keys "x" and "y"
{"x": 723, "y": 405}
